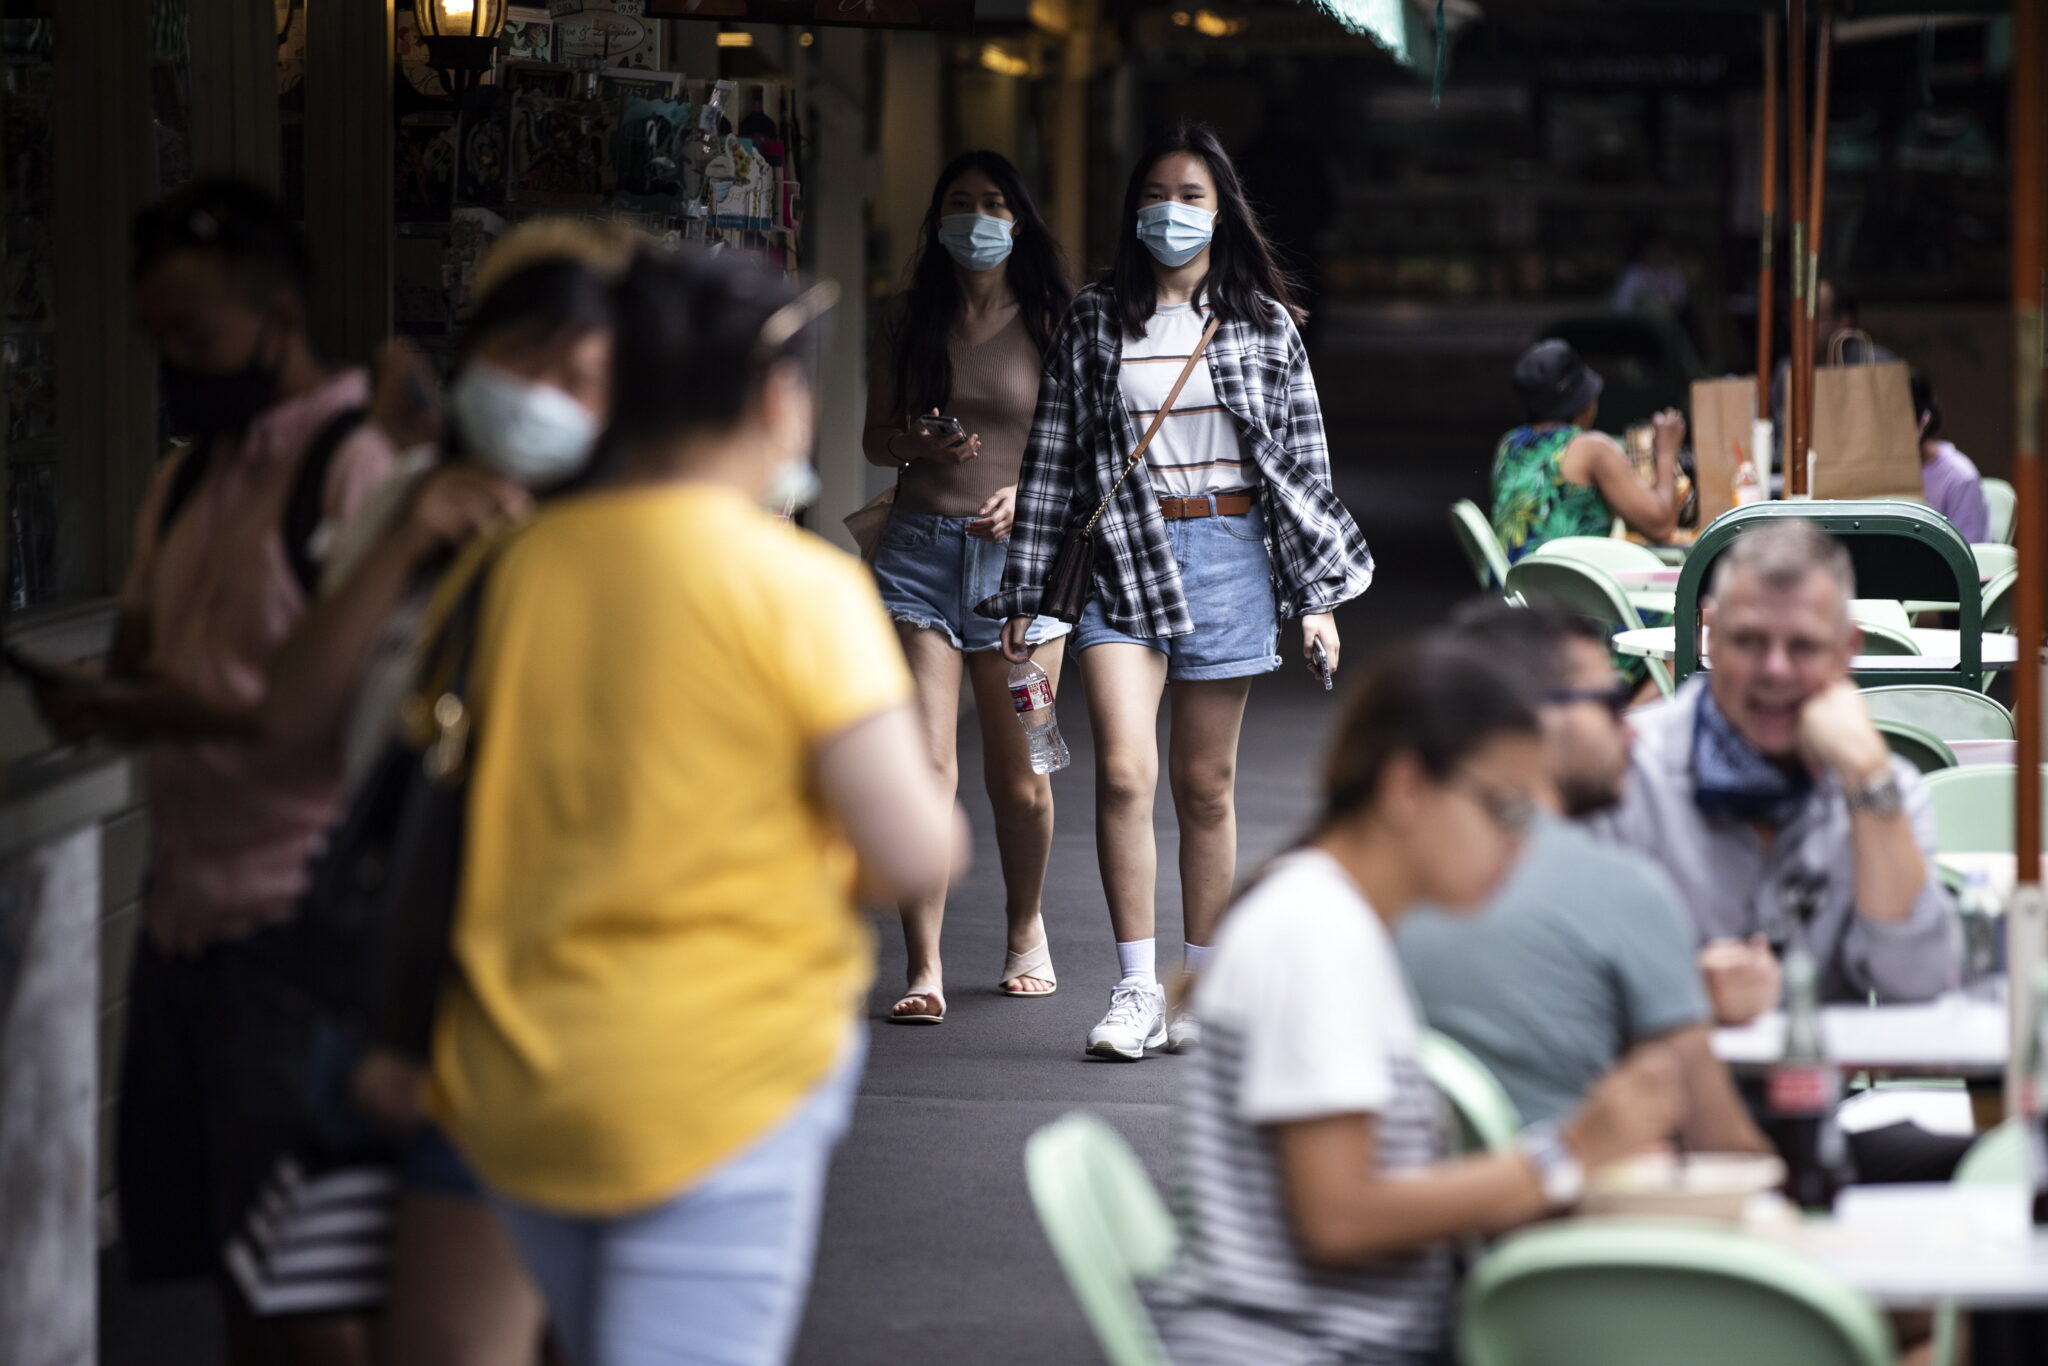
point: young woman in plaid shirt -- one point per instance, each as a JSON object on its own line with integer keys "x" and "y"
{"x": 1229, "y": 528}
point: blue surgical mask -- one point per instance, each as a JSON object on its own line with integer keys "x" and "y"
{"x": 531, "y": 433}
{"x": 976, "y": 241}
{"x": 1175, "y": 233}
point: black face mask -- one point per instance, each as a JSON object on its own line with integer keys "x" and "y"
{"x": 204, "y": 404}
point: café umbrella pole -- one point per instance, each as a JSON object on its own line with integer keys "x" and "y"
{"x": 1793, "y": 440}
{"x": 1766, "y": 282}
{"x": 1809, "y": 265}
{"x": 2028, "y": 144}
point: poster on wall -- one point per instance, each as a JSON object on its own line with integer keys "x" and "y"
{"x": 932, "y": 14}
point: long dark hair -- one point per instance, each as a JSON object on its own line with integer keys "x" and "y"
{"x": 1243, "y": 265}
{"x": 1036, "y": 271}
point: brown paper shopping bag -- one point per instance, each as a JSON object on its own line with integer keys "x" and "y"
{"x": 1723, "y": 430}
{"x": 1866, "y": 443}
{"x": 867, "y": 522}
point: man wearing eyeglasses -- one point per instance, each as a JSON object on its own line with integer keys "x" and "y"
{"x": 1587, "y": 951}
{"x": 1767, "y": 793}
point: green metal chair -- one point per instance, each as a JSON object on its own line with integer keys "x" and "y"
{"x": 1998, "y": 1157}
{"x": 1623, "y": 1292}
{"x": 1951, "y": 713}
{"x": 2003, "y": 501}
{"x": 1999, "y": 596}
{"x": 1887, "y": 612}
{"x": 1487, "y": 1119}
{"x": 1973, "y": 811}
{"x": 1994, "y": 558}
{"x": 1107, "y": 1225}
{"x": 1921, "y": 748}
{"x": 1584, "y": 590}
{"x": 1482, "y": 548}
{"x": 1901, "y": 551}
{"x": 1615, "y": 556}
{"x": 1879, "y": 639}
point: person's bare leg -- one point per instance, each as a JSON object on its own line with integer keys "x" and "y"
{"x": 935, "y": 672}
{"x": 1202, "y": 771}
{"x": 459, "y": 1296}
{"x": 1021, "y": 799}
{"x": 1125, "y": 683}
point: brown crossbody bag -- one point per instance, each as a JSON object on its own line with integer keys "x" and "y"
{"x": 1073, "y": 568}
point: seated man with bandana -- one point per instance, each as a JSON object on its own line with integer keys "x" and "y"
{"x": 1772, "y": 800}
{"x": 1768, "y": 795}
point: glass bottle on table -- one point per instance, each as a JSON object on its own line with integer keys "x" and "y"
{"x": 1802, "y": 1091}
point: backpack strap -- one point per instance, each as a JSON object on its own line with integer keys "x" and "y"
{"x": 305, "y": 507}
{"x": 191, "y": 469}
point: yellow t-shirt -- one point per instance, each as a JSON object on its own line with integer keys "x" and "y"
{"x": 657, "y": 945}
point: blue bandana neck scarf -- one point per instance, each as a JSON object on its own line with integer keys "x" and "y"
{"x": 1731, "y": 781}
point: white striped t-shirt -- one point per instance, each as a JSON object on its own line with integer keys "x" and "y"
{"x": 1199, "y": 450}
{"x": 1304, "y": 1015}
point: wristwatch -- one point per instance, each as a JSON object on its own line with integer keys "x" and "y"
{"x": 1564, "y": 1180}
{"x": 1880, "y": 796}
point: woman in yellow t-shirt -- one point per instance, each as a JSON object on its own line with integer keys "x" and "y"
{"x": 696, "y": 726}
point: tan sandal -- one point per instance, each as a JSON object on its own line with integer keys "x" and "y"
{"x": 923, "y": 1017}
{"x": 1033, "y": 962}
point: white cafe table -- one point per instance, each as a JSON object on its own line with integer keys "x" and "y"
{"x": 1917, "y": 1247}
{"x": 1939, "y": 651}
{"x": 1956, "y": 1036}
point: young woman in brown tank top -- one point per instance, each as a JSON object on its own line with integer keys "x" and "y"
{"x": 987, "y": 289}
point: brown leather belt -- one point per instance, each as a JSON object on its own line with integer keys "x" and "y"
{"x": 1217, "y": 505}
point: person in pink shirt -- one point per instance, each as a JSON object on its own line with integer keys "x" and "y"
{"x": 1948, "y": 478}
{"x": 226, "y": 546}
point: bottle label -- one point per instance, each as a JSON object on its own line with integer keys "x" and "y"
{"x": 1800, "y": 1090}
{"x": 1036, "y": 695}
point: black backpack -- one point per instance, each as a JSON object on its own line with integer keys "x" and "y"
{"x": 304, "y": 505}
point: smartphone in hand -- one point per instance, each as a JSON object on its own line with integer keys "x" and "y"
{"x": 1321, "y": 661}
{"x": 941, "y": 428}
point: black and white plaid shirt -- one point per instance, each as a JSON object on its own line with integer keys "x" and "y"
{"x": 1082, "y": 436}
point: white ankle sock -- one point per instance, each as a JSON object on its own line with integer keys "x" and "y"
{"x": 1139, "y": 959}
{"x": 1192, "y": 957}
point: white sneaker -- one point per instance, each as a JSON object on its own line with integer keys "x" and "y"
{"x": 1184, "y": 1031}
{"x": 1136, "y": 1021}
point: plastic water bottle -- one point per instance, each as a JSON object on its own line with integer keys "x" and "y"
{"x": 1031, "y": 694}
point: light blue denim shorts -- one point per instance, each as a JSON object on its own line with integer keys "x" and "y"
{"x": 1227, "y": 575}
{"x": 932, "y": 574}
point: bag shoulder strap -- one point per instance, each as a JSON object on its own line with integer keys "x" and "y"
{"x": 304, "y": 504}
{"x": 1158, "y": 419}
{"x": 184, "y": 481}
{"x": 305, "y": 507}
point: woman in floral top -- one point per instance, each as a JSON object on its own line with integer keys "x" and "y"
{"x": 1555, "y": 476}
